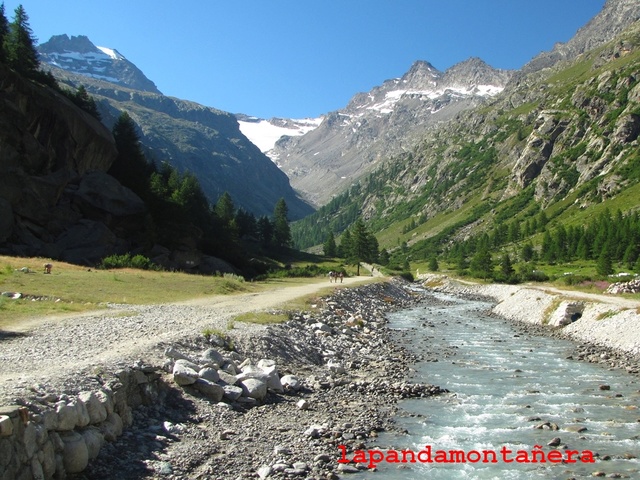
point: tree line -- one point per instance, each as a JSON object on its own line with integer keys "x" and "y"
{"x": 608, "y": 240}
{"x": 178, "y": 207}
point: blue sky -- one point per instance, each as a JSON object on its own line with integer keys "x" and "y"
{"x": 303, "y": 58}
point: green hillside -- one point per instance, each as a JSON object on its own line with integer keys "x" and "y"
{"x": 561, "y": 144}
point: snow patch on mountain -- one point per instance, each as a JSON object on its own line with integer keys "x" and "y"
{"x": 111, "y": 53}
{"x": 265, "y": 133}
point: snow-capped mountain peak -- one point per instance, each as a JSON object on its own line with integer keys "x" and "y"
{"x": 80, "y": 56}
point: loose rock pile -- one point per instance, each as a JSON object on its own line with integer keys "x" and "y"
{"x": 624, "y": 287}
{"x": 278, "y": 405}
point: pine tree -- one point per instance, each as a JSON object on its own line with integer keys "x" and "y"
{"x": 604, "y": 266}
{"x": 506, "y": 267}
{"x": 225, "y": 209}
{"x": 344, "y": 250}
{"x": 481, "y": 264}
{"x": 361, "y": 246}
{"x": 433, "y": 264}
{"x": 265, "y": 231}
{"x": 281, "y": 229}
{"x": 4, "y": 32}
{"x": 20, "y": 44}
{"x": 329, "y": 247}
{"x": 130, "y": 167}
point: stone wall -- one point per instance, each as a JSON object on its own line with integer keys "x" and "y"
{"x": 51, "y": 436}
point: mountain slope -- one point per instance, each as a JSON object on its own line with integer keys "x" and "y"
{"x": 79, "y": 55}
{"x": 375, "y": 125}
{"x": 563, "y": 141}
{"x": 189, "y": 136}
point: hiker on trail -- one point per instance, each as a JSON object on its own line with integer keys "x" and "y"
{"x": 331, "y": 274}
{"x": 341, "y": 275}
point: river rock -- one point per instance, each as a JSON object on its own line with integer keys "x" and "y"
{"x": 211, "y": 356}
{"x": 291, "y": 383}
{"x": 94, "y": 440}
{"x": 254, "y": 388}
{"x": 6, "y": 426}
{"x": 209, "y": 373}
{"x": 231, "y": 392}
{"x": 112, "y": 427}
{"x": 184, "y": 375}
{"x": 83, "y": 414}
{"x": 211, "y": 390}
{"x": 227, "y": 378}
{"x": 67, "y": 416}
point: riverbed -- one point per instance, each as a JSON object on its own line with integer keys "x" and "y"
{"x": 519, "y": 407}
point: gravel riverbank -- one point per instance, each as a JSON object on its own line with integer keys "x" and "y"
{"x": 350, "y": 376}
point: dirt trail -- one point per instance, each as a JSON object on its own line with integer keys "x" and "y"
{"x": 54, "y": 349}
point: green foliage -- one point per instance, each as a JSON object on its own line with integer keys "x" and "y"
{"x": 281, "y": 230}
{"x": 330, "y": 248}
{"x": 128, "y": 261}
{"x": 83, "y": 100}
{"x": 4, "y": 32}
{"x": 19, "y": 45}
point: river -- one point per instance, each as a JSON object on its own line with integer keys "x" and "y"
{"x": 504, "y": 383}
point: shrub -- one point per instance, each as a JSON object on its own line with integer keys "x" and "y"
{"x": 127, "y": 261}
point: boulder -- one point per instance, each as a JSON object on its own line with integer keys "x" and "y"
{"x": 209, "y": 373}
{"x": 211, "y": 390}
{"x": 254, "y": 388}
{"x": 211, "y": 355}
{"x": 101, "y": 191}
{"x": 96, "y": 410}
{"x": 232, "y": 393}
{"x": 67, "y": 416}
{"x": 184, "y": 375}
{"x": 94, "y": 440}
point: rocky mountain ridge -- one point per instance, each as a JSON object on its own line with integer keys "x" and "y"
{"x": 382, "y": 122}
{"x": 191, "y": 137}
{"x": 77, "y": 54}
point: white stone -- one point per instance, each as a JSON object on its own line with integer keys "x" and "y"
{"x": 76, "y": 455}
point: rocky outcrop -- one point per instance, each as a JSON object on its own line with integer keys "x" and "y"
{"x": 55, "y": 199}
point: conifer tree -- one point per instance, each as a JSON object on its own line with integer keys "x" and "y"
{"x": 4, "y": 31}
{"x": 130, "y": 167}
{"x": 329, "y": 247}
{"x": 433, "y": 264}
{"x": 225, "y": 209}
{"x": 281, "y": 230}
{"x": 506, "y": 267}
{"x": 20, "y": 44}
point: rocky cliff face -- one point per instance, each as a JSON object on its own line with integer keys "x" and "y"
{"x": 55, "y": 199}
{"x": 375, "y": 125}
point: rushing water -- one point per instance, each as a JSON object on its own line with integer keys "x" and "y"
{"x": 501, "y": 381}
